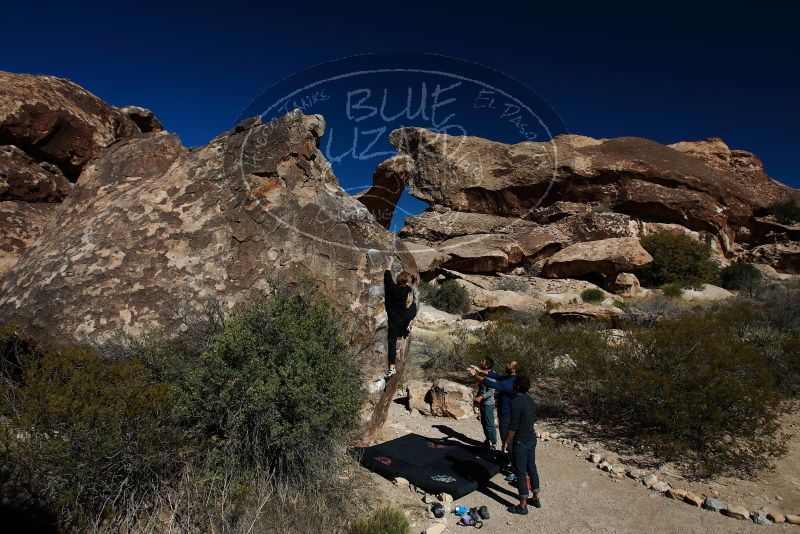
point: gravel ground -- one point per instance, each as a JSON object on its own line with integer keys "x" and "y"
{"x": 576, "y": 496}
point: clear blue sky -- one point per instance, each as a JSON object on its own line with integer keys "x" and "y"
{"x": 678, "y": 72}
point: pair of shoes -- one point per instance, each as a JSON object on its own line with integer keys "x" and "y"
{"x": 390, "y": 373}
{"x": 517, "y": 509}
{"x": 536, "y": 504}
{"x": 511, "y": 478}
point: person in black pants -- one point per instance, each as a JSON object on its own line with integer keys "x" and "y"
{"x": 522, "y": 434}
{"x": 399, "y": 312}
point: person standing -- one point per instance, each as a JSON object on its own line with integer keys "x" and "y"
{"x": 485, "y": 401}
{"x": 504, "y": 385}
{"x": 401, "y": 307}
{"x": 522, "y": 434}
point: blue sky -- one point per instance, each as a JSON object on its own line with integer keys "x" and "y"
{"x": 674, "y": 72}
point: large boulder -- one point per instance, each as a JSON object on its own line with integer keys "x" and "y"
{"x": 50, "y": 129}
{"x": 451, "y": 399}
{"x": 57, "y": 121}
{"x": 607, "y": 257}
{"x": 629, "y": 175}
{"x": 151, "y": 224}
{"x": 21, "y": 178}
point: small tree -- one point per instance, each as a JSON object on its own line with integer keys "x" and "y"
{"x": 449, "y": 296}
{"x": 677, "y": 259}
{"x": 741, "y": 276}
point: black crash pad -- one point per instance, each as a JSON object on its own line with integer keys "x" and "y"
{"x": 433, "y": 465}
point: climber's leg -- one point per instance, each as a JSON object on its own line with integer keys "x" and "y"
{"x": 392, "y": 342}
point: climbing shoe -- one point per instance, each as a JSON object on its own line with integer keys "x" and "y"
{"x": 390, "y": 373}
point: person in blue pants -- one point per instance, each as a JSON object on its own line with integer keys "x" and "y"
{"x": 522, "y": 434}
{"x": 485, "y": 401}
{"x": 504, "y": 386}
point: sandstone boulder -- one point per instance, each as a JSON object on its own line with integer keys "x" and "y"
{"x": 427, "y": 258}
{"x": 387, "y": 186}
{"x": 606, "y": 257}
{"x": 451, "y": 399}
{"x": 49, "y": 129}
{"x": 418, "y": 396}
{"x": 151, "y": 224}
{"x": 21, "y": 178}
{"x": 144, "y": 119}
{"x": 584, "y": 312}
{"x": 56, "y": 121}
{"x": 634, "y": 176}
{"x": 627, "y": 285}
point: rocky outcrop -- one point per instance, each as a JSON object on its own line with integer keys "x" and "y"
{"x": 50, "y": 129}
{"x": 387, "y": 186}
{"x": 605, "y": 257}
{"x": 56, "y": 121}
{"x": 631, "y": 175}
{"x": 576, "y": 207}
{"x": 21, "y": 178}
{"x": 151, "y": 224}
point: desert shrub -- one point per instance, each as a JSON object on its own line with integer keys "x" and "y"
{"x": 386, "y": 520}
{"x": 650, "y": 311}
{"x": 450, "y": 296}
{"x": 274, "y": 380}
{"x": 447, "y": 354}
{"x": 677, "y": 259}
{"x": 592, "y": 295}
{"x": 785, "y": 212}
{"x": 741, "y": 276}
{"x": 510, "y": 283}
{"x": 90, "y": 433}
{"x": 688, "y": 389}
{"x": 230, "y": 418}
{"x": 672, "y": 291}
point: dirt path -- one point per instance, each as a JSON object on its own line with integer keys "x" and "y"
{"x": 576, "y": 496}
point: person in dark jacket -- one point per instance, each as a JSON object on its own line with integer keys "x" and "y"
{"x": 522, "y": 433}
{"x": 504, "y": 385}
{"x": 401, "y": 308}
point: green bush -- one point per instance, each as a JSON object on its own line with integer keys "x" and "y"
{"x": 276, "y": 384}
{"x": 386, "y": 520}
{"x": 592, "y": 295}
{"x": 231, "y": 417}
{"x": 677, "y": 259}
{"x": 450, "y": 296}
{"x": 785, "y": 212}
{"x": 672, "y": 291}
{"x": 89, "y": 434}
{"x": 741, "y": 276}
{"x": 687, "y": 388}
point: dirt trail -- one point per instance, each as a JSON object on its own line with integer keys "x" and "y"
{"x": 576, "y": 496}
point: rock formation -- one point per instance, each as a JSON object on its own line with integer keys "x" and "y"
{"x": 49, "y": 129}
{"x": 149, "y": 224}
{"x": 575, "y": 207}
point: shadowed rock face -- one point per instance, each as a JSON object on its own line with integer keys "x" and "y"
{"x": 151, "y": 223}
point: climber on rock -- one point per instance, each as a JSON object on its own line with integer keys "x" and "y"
{"x": 400, "y": 300}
